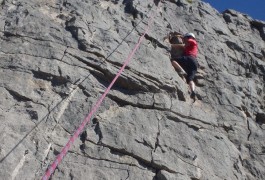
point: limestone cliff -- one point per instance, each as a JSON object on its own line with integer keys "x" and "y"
{"x": 58, "y": 56}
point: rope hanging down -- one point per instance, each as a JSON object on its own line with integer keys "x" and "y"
{"x": 66, "y": 148}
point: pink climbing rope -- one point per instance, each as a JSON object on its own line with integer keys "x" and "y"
{"x": 64, "y": 151}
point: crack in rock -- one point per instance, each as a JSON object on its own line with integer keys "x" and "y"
{"x": 17, "y": 96}
{"x": 55, "y": 80}
{"x": 104, "y": 159}
{"x": 249, "y": 129}
{"x": 97, "y": 130}
{"x": 141, "y": 161}
{"x": 145, "y": 143}
{"x": 157, "y": 136}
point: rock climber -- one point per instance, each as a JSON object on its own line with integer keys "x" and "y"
{"x": 188, "y": 61}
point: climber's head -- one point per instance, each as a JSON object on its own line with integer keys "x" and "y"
{"x": 189, "y": 35}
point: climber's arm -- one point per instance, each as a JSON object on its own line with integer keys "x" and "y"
{"x": 178, "y": 46}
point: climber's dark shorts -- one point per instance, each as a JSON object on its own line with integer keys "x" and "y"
{"x": 189, "y": 64}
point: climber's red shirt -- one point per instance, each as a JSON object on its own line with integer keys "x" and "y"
{"x": 191, "y": 48}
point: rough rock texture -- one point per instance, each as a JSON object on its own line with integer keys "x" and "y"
{"x": 58, "y": 56}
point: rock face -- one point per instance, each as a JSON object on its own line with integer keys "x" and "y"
{"x": 58, "y": 57}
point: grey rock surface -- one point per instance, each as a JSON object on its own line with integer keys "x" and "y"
{"x": 57, "y": 57}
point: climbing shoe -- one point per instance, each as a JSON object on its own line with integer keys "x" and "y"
{"x": 193, "y": 95}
